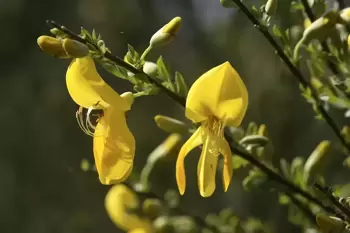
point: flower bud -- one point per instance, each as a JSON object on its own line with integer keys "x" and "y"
{"x": 262, "y": 130}
{"x": 129, "y": 97}
{"x": 228, "y": 4}
{"x": 307, "y": 23}
{"x": 170, "y": 125}
{"x": 330, "y": 223}
{"x": 152, "y": 207}
{"x": 344, "y": 16}
{"x": 271, "y": 7}
{"x": 150, "y": 68}
{"x": 316, "y": 160}
{"x": 52, "y": 46}
{"x": 316, "y": 83}
{"x": 184, "y": 224}
{"x": 166, "y": 33}
{"x": 75, "y": 48}
{"x": 165, "y": 148}
{"x": 163, "y": 224}
{"x": 321, "y": 27}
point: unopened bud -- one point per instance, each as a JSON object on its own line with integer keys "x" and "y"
{"x": 271, "y": 7}
{"x": 150, "y": 68}
{"x": 166, "y": 33}
{"x": 56, "y": 31}
{"x": 129, "y": 97}
{"x": 170, "y": 125}
{"x": 321, "y": 27}
{"x": 344, "y": 16}
{"x": 52, "y": 46}
{"x": 316, "y": 160}
{"x": 163, "y": 224}
{"x": 165, "y": 148}
{"x": 316, "y": 83}
{"x": 184, "y": 224}
{"x": 152, "y": 207}
{"x": 330, "y": 223}
{"x": 228, "y": 4}
{"x": 262, "y": 130}
{"x": 307, "y": 23}
{"x": 75, "y": 48}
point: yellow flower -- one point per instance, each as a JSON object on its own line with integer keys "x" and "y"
{"x": 217, "y": 99}
{"x": 113, "y": 143}
{"x": 120, "y": 202}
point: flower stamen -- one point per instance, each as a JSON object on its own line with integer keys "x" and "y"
{"x": 86, "y": 124}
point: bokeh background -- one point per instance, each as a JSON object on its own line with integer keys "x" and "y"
{"x": 43, "y": 189}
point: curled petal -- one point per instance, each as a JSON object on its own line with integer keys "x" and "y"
{"x": 206, "y": 170}
{"x": 114, "y": 147}
{"x": 87, "y": 88}
{"x": 118, "y": 202}
{"x": 194, "y": 141}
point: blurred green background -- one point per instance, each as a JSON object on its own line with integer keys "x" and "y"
{"x": 43, "y": 188}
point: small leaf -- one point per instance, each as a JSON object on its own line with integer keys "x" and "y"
{"x": 297, "y": 6}
{"x": 283, "y": 199}
{"x": 93, "y": 35}
{"x": 276, "y": 31}
{"x": 285, "y": 169}
{"x": 238, "y": 162}
{"x": 181, "y": 87}
{"x": 163, "y": 70}
{"x": 255, "y": 178}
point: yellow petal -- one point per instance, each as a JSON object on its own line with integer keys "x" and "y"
{"x": 139, "y": 230}
{"x": 227, "y": 168}
{"x": 118, "y": 201}
{"x": 87, "y": 88}
{"x": 206, "y": 170}
{"x": 227, "y": 98}
{"x": 114, "y": 147}
{"x": 194, "y": 141}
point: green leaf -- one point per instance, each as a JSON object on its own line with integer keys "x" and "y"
{"x": 255, "y": 178}
{"x": 283, "y": 199}
{"x": 296, "y": 6}
{"x": 85, "y": 34}
{"x": 133, "y": 55}
{"x": 251, "y": 129}
{"x": 163, "y": 70}
{"x": 276, "y": 31}
{"x": 285, "y": 169}
{"x": 93, "y": 35}
{"x": 181, "y": 87}
{"x": 238, "y": 162}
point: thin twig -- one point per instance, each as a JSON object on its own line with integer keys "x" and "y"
{"x": 295, "y": 71}
{"x": 335, "y": 202}
{"x": 119, "y": 62}
{"x": 325, "y": 47}
{"x": 304, "y": 208}
{"x": 272, "y": 175}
